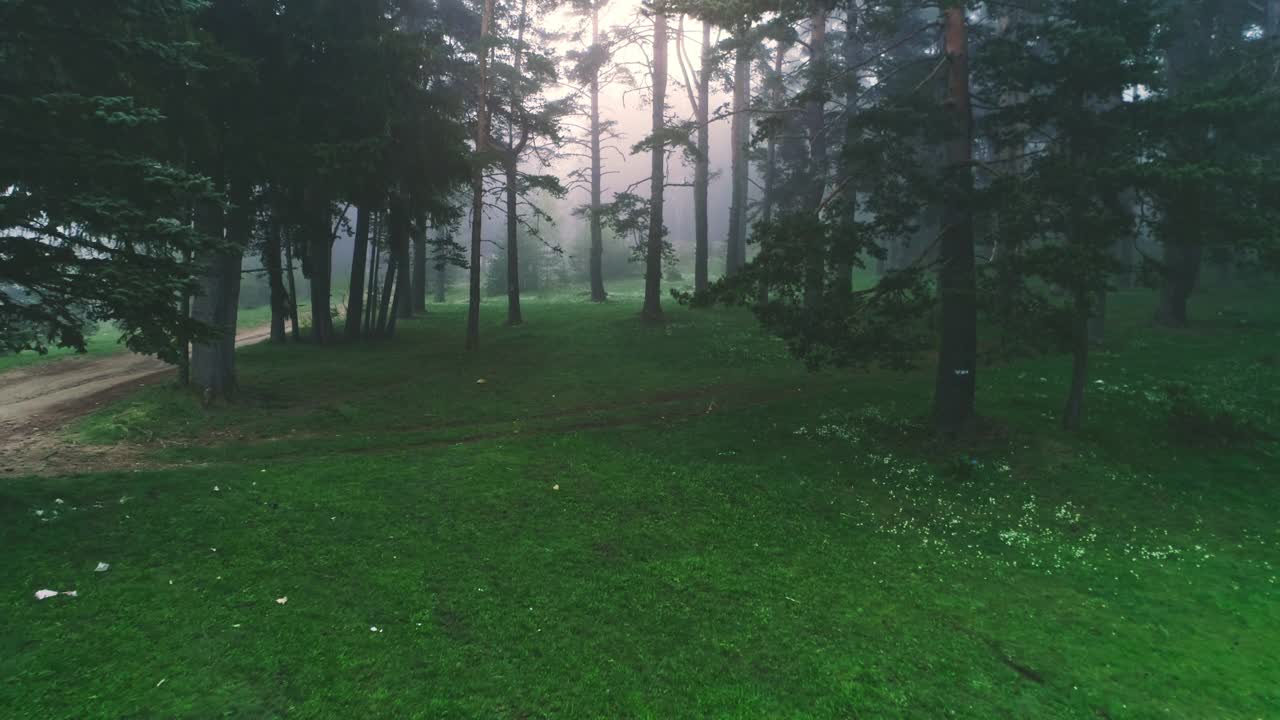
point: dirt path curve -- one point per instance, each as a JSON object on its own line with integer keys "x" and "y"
{"x": 37, "y": 400}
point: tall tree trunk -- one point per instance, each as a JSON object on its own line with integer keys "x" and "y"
{"x": 442, "y": 278}
{"x": 739, "y": 134}
{"x": 477, "y": 179}
{"x": 385, "y": 311}
{"x": 652, "y": 311}
{"x": 320, "y": 264}
{"x": 275, "y": 280}
{"x": 375, "y": 260}
{"x": 213, "y": 363}
{"x": 404, "y": 287}
{"x": 777, "y": 95}
{"x": 420, "y": 262}
{"x": 398, "y": 219}
{"x": 1073, "y": 415}
{"x": 702, "y": 164}
{"x": 958, "y": 351}
{"x": 184, "y": 307}
{"x": 513, "y": 247}
{"x": 596, "y": 263}
{"x": 293, "y": 292}
{"x": 1184, "y": 249}
{"x": 849, "y": 51}
{"x": 355, "y": 306}
{"x": 512, "y": 170}
{"x": 1182, "y": 259}
{"x": 815, "y": 126}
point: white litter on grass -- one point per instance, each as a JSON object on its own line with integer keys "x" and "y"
{"x": 124, "y": 499}
{"x": 39, "y": 513}
{"x": 45, "y": 594}
{"x": 481, "y": 381}
{"x": 102, "y": 567}
{"x": 556, "y": 486}
{"x": 161, "y": 682}
{"x": 374, "y": 628}
{"x": 216, "y": 489}
{"x": 282, "y": 600}
{"x": 57, "y": 501}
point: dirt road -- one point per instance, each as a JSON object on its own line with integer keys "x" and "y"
{"x": 37, "y": 400}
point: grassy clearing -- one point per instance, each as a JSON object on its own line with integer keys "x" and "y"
{"x": 661, "y": 522}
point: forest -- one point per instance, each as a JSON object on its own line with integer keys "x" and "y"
{"x": 640, "y": 358}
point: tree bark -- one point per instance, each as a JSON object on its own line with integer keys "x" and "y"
{"x": 320, "y": 264}
{"x": 371, "y": 297}
{"x": 513, "y": 247}
{"x": 477, "y": 179}
{"x": 1182, "y": 272}
{"x": 849, "y": 51}
{"x": 815, "y": 123}
{"x": 739, "y": 129}
{"x": 355, "y": 305}
{"x": 184, "y": 307}
{"x": 652, "y": 311}
{"x": 1072, "y": 416}
{"x": 386, "y": 311}
{"x": 777, "y": 96}
{"x": 275, "y": 280}
{"x": 401, "y": 231}
{"x": 596, "y": 263}
{"x": 213, "y": 363}
{"x": 420, "y": 262}
{"x": 957, "y": 355}
{"x": 702, "y": 164}
{"x": 293, "y": 292}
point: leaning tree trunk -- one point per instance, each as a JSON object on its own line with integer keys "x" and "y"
{"x": 355, "y": 305}
{"x": 702, "y": 165}
{"x": 953, "y": 402}
{"x": 296, "y": 331}
{"x": 477, "y": 180}
{"x": 652, "y": 311}
{"x": 739, "y": 130}
{"x": 815, "y": 126}
{"x": 420, "y": 262}
{"x": 213, "y": 363}
{"x": 598, "y": 293}
{"x": 513, "y": 246}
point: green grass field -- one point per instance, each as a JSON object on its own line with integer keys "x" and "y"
{"x": 662, "y": 522}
